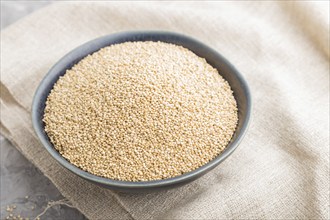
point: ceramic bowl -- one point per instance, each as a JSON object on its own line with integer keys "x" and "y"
{"x": 227, "y": 70}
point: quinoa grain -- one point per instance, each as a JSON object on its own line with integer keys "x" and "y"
{"x": 140, "y": 111}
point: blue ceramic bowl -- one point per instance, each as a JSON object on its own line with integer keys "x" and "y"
{"x": 234, "y": 78}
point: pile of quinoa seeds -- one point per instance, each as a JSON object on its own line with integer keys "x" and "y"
{"x": 140, "y": 111}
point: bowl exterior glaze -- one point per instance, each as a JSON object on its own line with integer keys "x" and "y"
{"x": 228, "y": 72}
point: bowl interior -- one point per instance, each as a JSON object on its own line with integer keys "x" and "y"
{"x": 229, "y": 73}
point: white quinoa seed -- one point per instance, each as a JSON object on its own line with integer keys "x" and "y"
{"x": 140, "y": 111}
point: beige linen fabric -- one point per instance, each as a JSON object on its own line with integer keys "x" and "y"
{"x": 280, "y": 170}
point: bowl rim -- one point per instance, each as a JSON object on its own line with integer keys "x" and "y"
{"x": 43, "y": 138}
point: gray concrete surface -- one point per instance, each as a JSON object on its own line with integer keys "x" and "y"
{"x": 21, "y": 183}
